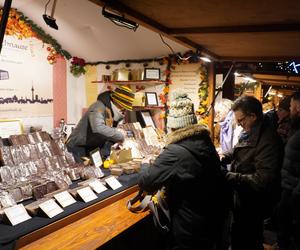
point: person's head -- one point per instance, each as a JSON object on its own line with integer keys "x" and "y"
{"x": 295, "y": 105}
{"x": 122, "y": 97}
{"x": 247, "y": 111}
{"x": 222, "y": 108}
{"x": 283, "y": 110}
{"x": 181, "y": 112}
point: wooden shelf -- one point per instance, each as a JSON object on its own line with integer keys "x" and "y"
{"x": 138, "y": 82}
{"x": 136, "y": 108}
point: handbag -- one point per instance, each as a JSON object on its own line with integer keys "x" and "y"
{"x": 157, "y": 205}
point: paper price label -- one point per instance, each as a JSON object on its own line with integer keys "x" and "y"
{"x": 64, "y": 199}
{"x": 113, "y": 182}
{"x": 51, "y": 208}
{"x": 87, "y": 194}
{"x": 97, "y": 186}
{"x": 17, "y": 214}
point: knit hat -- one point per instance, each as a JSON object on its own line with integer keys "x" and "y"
{"x": 181, "y": 112}
{"x": 123, "y": 96}
{"x": 285, "y": 103}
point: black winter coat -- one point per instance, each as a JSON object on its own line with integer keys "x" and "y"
{"x": 189, "y": 168}
{"x": 291, "y": 173}
{"x": 256, "y": 163}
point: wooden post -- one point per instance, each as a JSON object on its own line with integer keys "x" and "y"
{"x": 211, "y": 94}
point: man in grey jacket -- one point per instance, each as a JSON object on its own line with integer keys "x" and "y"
{"x": 97, "y": 128}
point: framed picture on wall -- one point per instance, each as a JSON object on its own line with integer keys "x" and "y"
{"x": 147, "y": 118}
{"x": 152, "y": 74}
{"x": 151, "y": 99}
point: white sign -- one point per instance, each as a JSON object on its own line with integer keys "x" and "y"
{"x": 97, "y": 186}
{"x": 113, "y": 182}
{"x": 87, "y": 194}
{"x": 186, "y": 77}
{"x": 51, "y": 208}
{"x": 10, "y": 127}
{"x": 64, "y": 199}
{"x": 96, "y": 157}
{"x": 17, "y": 214}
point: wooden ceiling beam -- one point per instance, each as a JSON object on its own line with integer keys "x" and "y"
{"x": 278, "y": 83}
{"x": 151, "y": 24}
{"x": 276, "y": 27}
{"x": 260, "y": 59}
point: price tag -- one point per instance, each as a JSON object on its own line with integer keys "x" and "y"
{"x": 97, "y": 186}
{"x": 87, "y": 194}
{"x": 113, "y": 182}
{"x": 51, "y": 208}
{"x": 17, "y": 214}
{"x": 96, "y": 157}
{"x": 64, "y": 199}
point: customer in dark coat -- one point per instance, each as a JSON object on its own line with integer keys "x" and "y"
{"x": 189, "y": 168}
{"x": 289, "y": 206}
{"x": 255, "y": 174}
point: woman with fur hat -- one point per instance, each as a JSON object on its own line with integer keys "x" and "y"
{"x": 97, "y": 127}
{"x": 189, "y": 169}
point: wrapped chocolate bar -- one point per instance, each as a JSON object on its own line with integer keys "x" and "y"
{"x": 32, "y": 168}
{"x": 6, "y": 174}
{"x": 55, "y": 148}
{"x": 37, "y": 137}
{"x": 61, "y": 182}
{"x": 39, "y": 191}
{"x": 6, "y": 200}
{"x": 33, "y": 152}
{"x": 70, "y": 158}
{"x": 116, "y": 171}
{"x": 87, "y": 173}
{"x": 1, "y": 142}
{"x": 22, "y": 139}
{"x": 5, "y": 156}
{"x": 16, "y": 194}
{"x": 48, "y": 164}
{"x": 26, "y": 191}
{"x": 45, "y": 136}
{"x": 62, "y": 161}
{"x": 30, "y": 138}
{"x": 44, "y": 149}
{"x": 17, "y": 154}
{"x": 128, "y": 169}
{"x": 13, "y": 139}
{"x": 40, "y": 165}
{"x": 26, "y": 152}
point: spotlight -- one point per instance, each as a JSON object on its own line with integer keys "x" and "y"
{"x": 120, "y": 20}
{"x": 50, "y": 20}
{"x": 205, "y": 59}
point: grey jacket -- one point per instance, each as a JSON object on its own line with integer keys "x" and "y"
{"x": 92, "y": 126}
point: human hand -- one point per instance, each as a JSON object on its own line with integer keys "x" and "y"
{"x": 233, "y": 178}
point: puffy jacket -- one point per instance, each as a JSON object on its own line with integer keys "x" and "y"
{"x": 189, "y": 168}
{"x": 92, "y": 131}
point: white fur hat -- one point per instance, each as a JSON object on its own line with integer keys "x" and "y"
{"x": 181, "y": 112}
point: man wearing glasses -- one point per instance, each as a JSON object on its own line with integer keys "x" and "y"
{"x": 254, "y": 175}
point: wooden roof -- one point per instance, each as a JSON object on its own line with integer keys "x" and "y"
{"x": 237, "y": 30}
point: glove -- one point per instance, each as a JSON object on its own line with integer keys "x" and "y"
{"x": 224, "y": 170}
{"x": 233, "y": 178}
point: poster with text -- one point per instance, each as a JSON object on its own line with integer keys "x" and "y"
{"x": 25, "y": 79}
{"x": 186, "y": 77}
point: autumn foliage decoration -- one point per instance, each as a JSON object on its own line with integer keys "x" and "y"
{"x": 21, "y": 27}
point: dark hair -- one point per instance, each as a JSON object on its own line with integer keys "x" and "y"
{"x": 296, "y": 96}
{"x": 248, "y": 105}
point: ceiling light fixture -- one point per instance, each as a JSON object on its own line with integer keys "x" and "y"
{"x": 249, "y": 79}
{"x": 120, "y": 20}
{"x": 50, "y": 20}
{"x": 205, "y": 59}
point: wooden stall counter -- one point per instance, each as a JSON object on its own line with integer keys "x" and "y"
{"x": 87, "y": 229}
